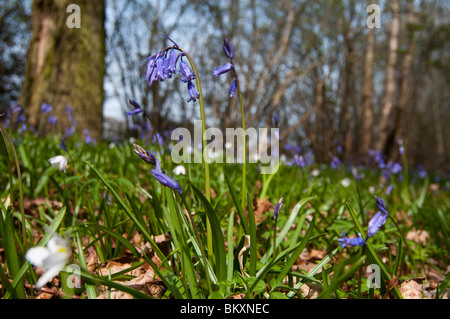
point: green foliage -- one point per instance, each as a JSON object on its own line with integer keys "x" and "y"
{"x": 107, "y": 196}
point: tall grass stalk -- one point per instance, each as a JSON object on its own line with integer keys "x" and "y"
{"x": 205, "y": 153}
{"x": 244, "y": 142}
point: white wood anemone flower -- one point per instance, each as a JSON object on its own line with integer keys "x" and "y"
{"x": 179, "y": 170}
{"x": 60, "y": 161}
{"x": 52, "y": 258}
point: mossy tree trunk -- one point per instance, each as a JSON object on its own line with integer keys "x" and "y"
{"x": 66, "y": 66}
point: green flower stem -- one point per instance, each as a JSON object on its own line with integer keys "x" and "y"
{"x": 205, "y": 154}
{"x": 244, "y": 139}
{"x": 200, "y": 243}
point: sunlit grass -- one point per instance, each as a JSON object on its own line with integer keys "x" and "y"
{"x": 110, "y": 208}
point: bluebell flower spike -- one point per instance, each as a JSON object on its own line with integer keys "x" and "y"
{"x": 233, "y": 89}
{"x": 228, "y": 49}
{"x": 378, "y": 220}
{"x": 223, "y": 69}
{"x": 277, "y": 209}
{"x": 356, "y": 241}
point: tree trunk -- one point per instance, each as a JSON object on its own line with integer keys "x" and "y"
{"x": 385, "y": 123}
{"x": 393, "y": 152}
{"x": 367, "y": 93}
{"x": 65, "y": 66}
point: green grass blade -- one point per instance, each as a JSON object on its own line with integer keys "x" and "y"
{"x": 287, "y": 227}
{"x": 372, "y": 255}
{"x": 238, "y": 205}
{"x": 287, "y": 267}
{"x": 253, "y": 243}
{"x": 218, "y": 240}
{"x": 315, "y": 270}
{"x": 130, "y": 214}
{"x": 52, "y": 229}
{"x": 90, "y": 289}
{"x": 230, "y": 261}
{"x": 336, "y": 282}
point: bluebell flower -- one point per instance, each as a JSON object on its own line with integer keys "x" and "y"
{"x": 233, "y": 89}
{"x": 276, "y": 119}
{"x": 299, "y": 161}
{"x": 161, "y": 66}
{"x": 158, "y": 138}
{"x": 143, "y": 154}
{"x": 88, "y": 139}
{"x": 380, "y": 159}
{"x": 160, "y": 74}
{"x": 137, "y": 107}
{"x": 422, "y": 171}
{"x": 135, "y": 103}
{"x": 161, "y": 177}
{"x": 134, "y": 112}
{"x": 16, "y": 108}
{"x": 381, "y": 205}
{"x": 389, "y": 189}
{"x": 345, "y": 241}
{"x": 395, "y": 168}
{"x": 151, "y": 63}
{"x": 21, "y": 118}
{"x": 378, "y": 220}
{"x": 356, "y": 175}
{"x": 52, "y": 120}
{"x": 171, "y": 62}
{"x": 63, "y": 145}
{"x": 187, "y": 73}
{"x": 223, "y": 69}
{"x": 277, "y": 209}
{"x": 157, "y": 172}
{"x": 193, "y": 94}
{"x": 45, "y": 108}
{"x": 68, "y": 132}
{"x": 228, "y": 49}
{"x": 335, "y": 162}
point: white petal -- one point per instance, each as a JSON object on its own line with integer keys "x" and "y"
{"x": 48, "y": 275}
{"x": 37, "y": 255}
{"x": 179, "y": 170}
{"x": 60, "y": 161}
{"x": 56, "y": 243}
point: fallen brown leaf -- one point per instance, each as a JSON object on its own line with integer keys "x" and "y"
{"x": 418, "y": 236}
{"x": 412, "y": 288}
{"x": 260, "y": 207}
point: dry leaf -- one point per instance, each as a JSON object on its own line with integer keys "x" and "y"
{"x": 44, "y": 295}
{"x": 115, "y": 294}
{"x": 394, "y": 282}
{"x": 241, "y": 253}
{"x": 147, "y": 284}
{"x": 260, "y": 207}
{"x": 310, "y": 290}
{"x": 411, "y": 289}
{"x": 418, "y": 236}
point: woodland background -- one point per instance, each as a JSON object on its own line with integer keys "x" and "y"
{"x": 339, "y": 87}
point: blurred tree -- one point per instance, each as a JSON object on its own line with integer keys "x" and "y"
{"x": 386, "y": 123}
{"x": 339, "y": 87}
{"x": 65, "y": 64}
{"x": 14, "y": 38}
